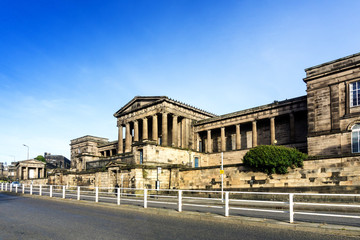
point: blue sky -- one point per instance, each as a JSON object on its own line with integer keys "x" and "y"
{"x": 67, "y": 66}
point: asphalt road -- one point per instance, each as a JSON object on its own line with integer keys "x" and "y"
{"x": 36, "y": 218}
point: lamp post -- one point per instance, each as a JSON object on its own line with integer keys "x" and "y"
{"x": 27, "y": 151}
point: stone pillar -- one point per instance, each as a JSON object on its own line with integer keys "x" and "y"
{"x": 136, "y": 131}
{"x": 36, "y": 173}
{"x": 128, "y": 139}
{"x": 183, "y": 133}
{"x": 272, "y": 130}
{"x": 238, "y": 137}
{"x": 223, "y": 140}
{"x": 292, "y": 127}
{"x": 120, "y": 140}
{"x": 197, "y": 141}
{"x": 145, "y": 129}
{"x": 174, "y": 131}
{"x": 155, "y": 128}
{"x": 254, "y": 134}
{"x": 209, "y": 142}
{"x": 43, "y": 172}
{"x": 164, "y": 129}
{"x": 20, "y": 173}
{"x": 179, "y": 133}
{"x": 26, "y": 172}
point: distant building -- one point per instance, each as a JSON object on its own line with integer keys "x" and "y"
{"x": 56, "y": 161}
{"x": 29, "y": 169}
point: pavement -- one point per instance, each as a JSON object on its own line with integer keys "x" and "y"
{"x": 211, "y": 217}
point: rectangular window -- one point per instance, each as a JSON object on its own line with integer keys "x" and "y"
{"x": 354, "y": 94}
{"x": 196, "y": 162}
{"x": 141, "y": 156}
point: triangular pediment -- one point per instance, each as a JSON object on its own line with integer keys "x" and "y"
{"x": 31, "y": 161}
{"x": 139, "y": 102}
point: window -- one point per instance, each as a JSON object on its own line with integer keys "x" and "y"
{"x": 141, "y": 156}
{"x": 355, "y": 138}
{"x": 196, "y": 162}
{"x": 355, "y": 94}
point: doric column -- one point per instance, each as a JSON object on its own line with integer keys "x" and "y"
{"x": 254, "y": 134}
{"x": 36, "y": 173}
{"x": 26, "y": 172}
{"x": 145, "y": 129}
{"x": 179, "y": 133}
{"x": 174, "y": 131}
{"x": 292, "y": 127}
{"x": 21, "y": 173}
{"x": 272, "y": 130}
{"x": 223, "y": 140}
{"x": 43, "y": 172}
{"x": 197, "y": 142}
{"x": 183, "y": 133}
{"x": 238, "y": 137}
{"x": 136, "y": 131}
{"x": 164, "y": 129}
{"x": 120, "y": 140}
{"x": 155, "y": 128}
{"x": 209, "y": 142}
{"x": 128, "y": 139}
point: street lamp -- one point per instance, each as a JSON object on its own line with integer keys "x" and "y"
{"x": 27, "y": 151}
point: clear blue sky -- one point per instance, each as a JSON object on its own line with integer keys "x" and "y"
{"x": 67, "y": 66}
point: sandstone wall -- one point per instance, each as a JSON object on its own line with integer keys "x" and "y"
{"x": 317, "y": 173}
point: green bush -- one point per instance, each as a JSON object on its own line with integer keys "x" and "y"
{"x": 273, "y": 159}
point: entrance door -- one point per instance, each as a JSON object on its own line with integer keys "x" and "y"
{"x": 31, "y": 173}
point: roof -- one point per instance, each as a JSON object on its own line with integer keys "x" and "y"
{"x": 141, "y": 102}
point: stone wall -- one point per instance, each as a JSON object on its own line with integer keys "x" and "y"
{"x": 315, "y": 173}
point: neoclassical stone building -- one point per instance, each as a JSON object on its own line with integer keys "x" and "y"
{"x": 161, "y": 131}
{"x": 156, "y": 131}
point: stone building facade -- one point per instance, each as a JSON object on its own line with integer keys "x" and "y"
{"x": 183, "y": 141}
{"x": 30, "y": 169}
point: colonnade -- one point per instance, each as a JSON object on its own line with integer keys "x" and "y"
{"x": 209, "y": 140}
{"x": 25, "y": 175}
{"x": 179, "y": 132}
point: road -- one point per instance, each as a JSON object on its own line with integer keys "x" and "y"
{"x": 36, "y": 218}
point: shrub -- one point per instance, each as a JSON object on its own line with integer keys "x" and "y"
{"x": 273, "y": 159}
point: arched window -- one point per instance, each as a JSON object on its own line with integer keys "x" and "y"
{"x": 355, "y": 138}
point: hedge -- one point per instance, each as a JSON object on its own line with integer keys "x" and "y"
{"x": 273, "y": 159}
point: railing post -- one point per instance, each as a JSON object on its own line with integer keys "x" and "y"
{"x": 6, "y": 186}
{"x": 2, "y": 186}
{"x": 78, "y": 193}
{"x": 226, "y": 204}
{"x": 23, "y": 188}
{"x": 16, "y": 188}
{"x": 40, "y": 190}
{"x": 31, "y": 188}
{"x": 64, "y": 194}
{"x": 145, "y": 198}
{"x": 10, "y": 187}
{"x": 96, "y": 194}
{"x": 291, "y": 207}
{"x": 51, "y": 190}
{"x": 180, "y": 200}
{"x": 118, "y": 196}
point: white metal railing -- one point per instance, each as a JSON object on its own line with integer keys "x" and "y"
{"x": 233, "y": 201}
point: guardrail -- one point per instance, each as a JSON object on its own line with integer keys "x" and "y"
{"x": 228, "y": 202}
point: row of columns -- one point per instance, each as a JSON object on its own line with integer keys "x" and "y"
{"x": 26, "y": 175}
{"x": 176, "y": 140}
{"x": 209, "y": 147}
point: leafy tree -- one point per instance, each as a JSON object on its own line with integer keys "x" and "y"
{"x": 273, "y": 159}
{"x": 40, "y": 158}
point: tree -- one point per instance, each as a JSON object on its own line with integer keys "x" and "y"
{"x": 40, "y": 158}
{"x": 273, "y": 159}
